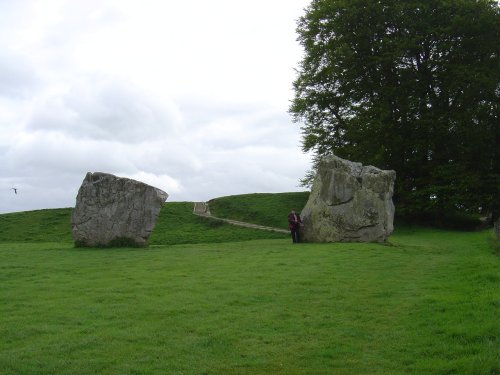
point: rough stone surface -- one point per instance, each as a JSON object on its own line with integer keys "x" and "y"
{"x": 111, "y": 209}
{"x": 349, "y": 202}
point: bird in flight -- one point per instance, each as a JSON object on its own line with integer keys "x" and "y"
{"x": 15, "y": 190}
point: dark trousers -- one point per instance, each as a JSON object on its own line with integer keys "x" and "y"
{"x": 295, "y": 235}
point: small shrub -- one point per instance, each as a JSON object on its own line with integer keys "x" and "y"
{"x": 123, "y": 242}
{"x": 80, "y": 243}
{"x": 115, "y": 242}
{"x": 215, "y": 223}
{"x": 447, "y": 220}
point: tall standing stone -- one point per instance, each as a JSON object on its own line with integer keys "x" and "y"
{"x": 110, "y": 210}
{"x": 349, "y": 202}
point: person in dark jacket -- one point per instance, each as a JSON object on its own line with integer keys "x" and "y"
{"x": 294, "y": 223}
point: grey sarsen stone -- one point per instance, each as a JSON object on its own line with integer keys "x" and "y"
{"x": 349, "y": 202}
{"x": 111, "y": 209}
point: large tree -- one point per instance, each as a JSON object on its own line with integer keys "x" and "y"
{"x": 408, "y": 85}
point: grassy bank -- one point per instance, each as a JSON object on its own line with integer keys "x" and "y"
{"x": 177, "y": 225}
{"x": 428, "y": 304}
{"x": 52, "y": 225}
{"x": 264, "y": 208}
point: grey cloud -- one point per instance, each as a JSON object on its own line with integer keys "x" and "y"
{"x": 78, "y": 19}
{"x": 53, "y": 154}
{"x": 48, "y": 171}
{"x": 18, "y": 77}
{"x": 106, "y": 111}
{"x": 38, "y": 191}
{"x": 246, "y": 170}
{"x": 222, "y": 126}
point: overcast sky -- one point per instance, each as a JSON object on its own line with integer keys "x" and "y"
{"x": 189, "y": 96}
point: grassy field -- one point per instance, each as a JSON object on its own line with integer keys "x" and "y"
{"x": 427, "y": 303}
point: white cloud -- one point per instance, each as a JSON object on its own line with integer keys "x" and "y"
{"x": 189, "y": 96}
{"x": 161, "y": 181}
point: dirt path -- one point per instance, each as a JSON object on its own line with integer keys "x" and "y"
{"x": 202, "y": 209}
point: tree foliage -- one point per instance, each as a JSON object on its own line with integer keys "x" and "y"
{"x": 412, "y": 86}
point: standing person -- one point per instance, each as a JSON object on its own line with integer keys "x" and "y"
{"x": 294, "y": 225}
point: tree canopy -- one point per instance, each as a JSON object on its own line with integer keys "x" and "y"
{"x": 412, "y": 86}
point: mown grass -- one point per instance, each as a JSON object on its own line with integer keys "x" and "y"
{"x": 262, "y": 208}
{"x": 426, "y": 304}
{"x": 193, "y": 303}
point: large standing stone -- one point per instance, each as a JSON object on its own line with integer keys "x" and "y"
{"x": 112, "y": 210}
{"x": 349, "y": 202}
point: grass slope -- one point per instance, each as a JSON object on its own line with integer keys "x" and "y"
{"x": 428, "y": 304}
{"x": 52, "y": 225}
{"x": 176, "y": 224}
{"x": 264, "y": 209}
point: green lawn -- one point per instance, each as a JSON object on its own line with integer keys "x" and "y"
{"x": 426, "y": 304}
